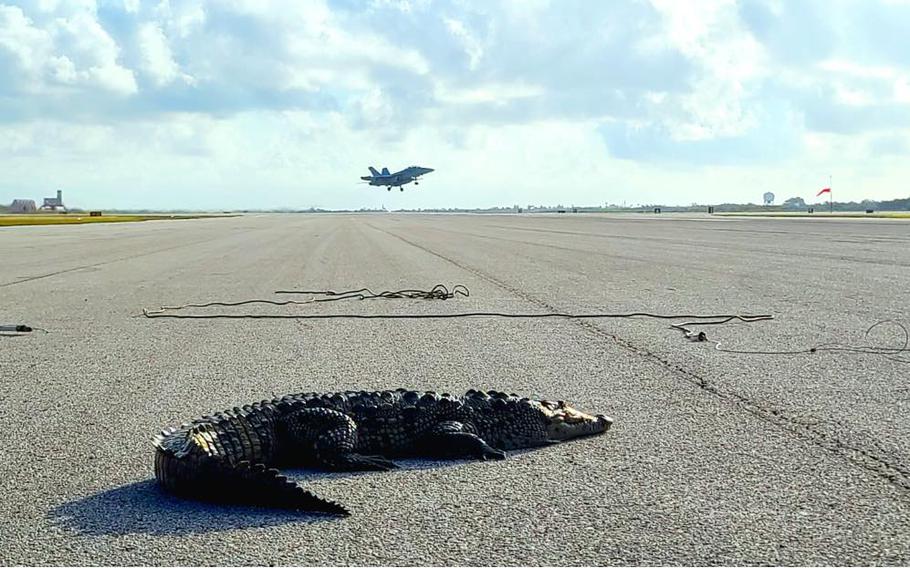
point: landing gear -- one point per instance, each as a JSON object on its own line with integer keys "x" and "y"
{"x": 401, "y": 188}
{"x": 415, "y": 183}
{"x": 389, "y": 188}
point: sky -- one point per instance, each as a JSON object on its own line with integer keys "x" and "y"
{"x": 285, "y": 103}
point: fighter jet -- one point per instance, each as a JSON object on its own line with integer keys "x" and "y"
{"x": 398, "y": 179}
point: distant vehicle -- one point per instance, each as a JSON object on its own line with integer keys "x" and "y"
{"x": 398, "y": 179}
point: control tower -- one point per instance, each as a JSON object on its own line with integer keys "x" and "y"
{"x": 53, "y": 203}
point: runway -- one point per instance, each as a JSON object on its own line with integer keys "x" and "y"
{"x": 713, "y": 458}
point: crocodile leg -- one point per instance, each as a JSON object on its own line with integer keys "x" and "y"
{"x": 328, "y": 438}
{"x": 453, "y": 440}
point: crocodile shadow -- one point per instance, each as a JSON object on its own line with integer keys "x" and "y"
{"x": 144, "y": 508}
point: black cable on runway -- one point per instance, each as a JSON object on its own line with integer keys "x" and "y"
{"x": 152, "y": 314}
{"x": 437, "y": 292}
{"x": 886, "y": 352}
{"x": 441, "y": 292}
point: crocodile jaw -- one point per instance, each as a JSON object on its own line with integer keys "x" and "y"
{"x": 565, "y": 422}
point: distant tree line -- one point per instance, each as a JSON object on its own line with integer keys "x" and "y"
{"x": 791, "y": 204}
{"x": 798, "y": 203}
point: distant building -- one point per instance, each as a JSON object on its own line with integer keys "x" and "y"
{"x": 23, "y": 206}
{"x": 53, "y": 203}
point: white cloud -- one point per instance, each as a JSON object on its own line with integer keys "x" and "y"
{"x": 72, "y": 50}
{"x": 471, "y": 44}
{"x": 902, "y": 90}
{"x": 158, "y": 60}
{"x": 729, "y": 62}
{"x": 491, "y": 93}
{"x": 29, "y": 47}
{"x": 94, "y": 52}
{"x": 182, "y": 20}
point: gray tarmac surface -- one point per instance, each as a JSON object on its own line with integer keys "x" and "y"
{"x": 713, "y": 458}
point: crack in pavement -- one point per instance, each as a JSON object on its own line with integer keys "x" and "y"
{"x": 25, "y": 279}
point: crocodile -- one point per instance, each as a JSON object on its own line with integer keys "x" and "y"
{"x": 233, "y": 456}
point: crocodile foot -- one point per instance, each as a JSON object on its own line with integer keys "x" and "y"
{"x": 490, "y": 453}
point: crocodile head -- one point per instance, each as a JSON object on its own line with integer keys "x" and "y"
{"x": 508, "y": 422}
{"x": 563, "y": 422}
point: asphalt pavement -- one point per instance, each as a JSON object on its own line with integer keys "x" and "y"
{"x": 715, "y": 457}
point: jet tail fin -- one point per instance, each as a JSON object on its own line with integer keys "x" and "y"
{"x": 373, "y": 171}
{"x": 385, "y": 171}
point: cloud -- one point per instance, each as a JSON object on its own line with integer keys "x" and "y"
{"x": 652, "y": 89}
{"x": 66, "y": 55}
{"x": 472, "y": 47}
{"x": 158, "y": 61}
{"x": 773, "y": 138}
{"x": 889, "y": 145}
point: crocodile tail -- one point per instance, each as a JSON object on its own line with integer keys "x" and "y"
{"x": 205, "y": 477}
{"x": 256, "y": 484}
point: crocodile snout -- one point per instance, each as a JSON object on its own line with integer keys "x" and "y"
{"x": 604, "y": 422}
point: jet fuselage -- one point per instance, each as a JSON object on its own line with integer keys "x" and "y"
{"x": 396, "y": 179}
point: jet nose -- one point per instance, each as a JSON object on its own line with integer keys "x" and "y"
{"x": 428, "y": 170}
